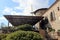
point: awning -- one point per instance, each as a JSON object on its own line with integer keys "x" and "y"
{"x": 17, "y": 20}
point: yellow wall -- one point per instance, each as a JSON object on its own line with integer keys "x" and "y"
{"x": 55, "y": 24}
{"x": 40, "y": 12}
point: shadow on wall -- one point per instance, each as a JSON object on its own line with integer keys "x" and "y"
{"x": 44, "y": 24}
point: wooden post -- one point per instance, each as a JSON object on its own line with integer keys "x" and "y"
{"x": 8, "y": 24}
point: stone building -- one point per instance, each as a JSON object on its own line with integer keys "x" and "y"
{"x": 52, "y": 13}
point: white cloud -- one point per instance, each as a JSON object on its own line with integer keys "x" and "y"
{"x": 2, "y": 18}
{"x": 10, "y": 11}
{"x": 26, "y": 5}
{"x": 23, "y": 4}
{"x": 14, "y": 13}
{"x": 7, "y": 10}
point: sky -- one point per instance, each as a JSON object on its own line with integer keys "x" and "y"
{"x": 21, "y": 7}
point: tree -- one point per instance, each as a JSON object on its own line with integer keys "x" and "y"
{"x": 25, "y": 27}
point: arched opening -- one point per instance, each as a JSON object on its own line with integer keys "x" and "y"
{"x": 44, "y": 25}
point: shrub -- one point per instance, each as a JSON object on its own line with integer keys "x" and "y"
{"x": 2, "y": 36}
{"x": 25, "y": 27}
{"x": 8, "y": 29}
{"x": 58, "y": 30}
{"x": 52, "y": 30}
{"x": 24, "y": 35}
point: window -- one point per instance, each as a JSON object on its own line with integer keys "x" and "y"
{"x": 52, "y": 16}
{"x": 58, "y": 8}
